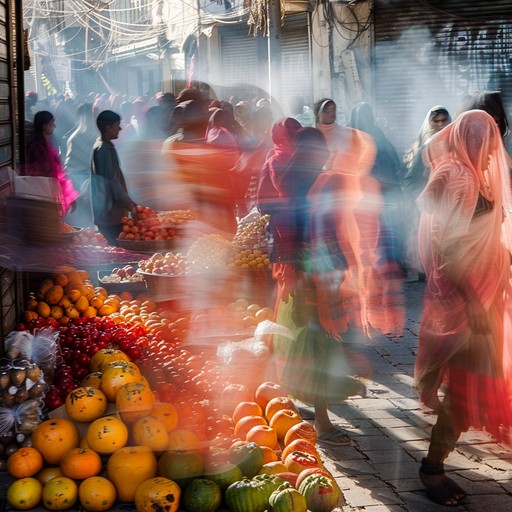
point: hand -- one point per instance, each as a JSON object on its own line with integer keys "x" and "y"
{"x": 477, "y": 316}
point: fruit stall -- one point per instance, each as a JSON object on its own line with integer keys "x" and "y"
{"x": 141, "y": 377}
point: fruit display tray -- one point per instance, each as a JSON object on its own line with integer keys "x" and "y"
{"x": 125, "y": 286}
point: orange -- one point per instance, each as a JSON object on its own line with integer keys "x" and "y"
{"x": 85, "y": 404}
{"x": 133, "y": 401}
{"x": 269, "y": 455}
{"x": 60, "y": 493}
{"x": 182, "y": 439}
{"x": 246, "y": 423}
{"x": 302, "y": 430}
{"x": 158, "y": 494}
{"x": 262, "y": 435}
{"x": 25, "y": 461}
{"x": 106, "y": 435}
{"x": 106, "y": 355}
{"x": 283, "y": 420}
{"x": 246, "y": 409}
{"x": 46, "y": 474}
{"x": 80, "y": 463}
{"x": 278, "y": 404}
{"x": 266, "y": 391}
{"x": 93, "y": 380}
{"x": 53, "y": 438}
{"x": 25, "y": 493}
{"x": 151, "y": 431}
{"x": 128, "y": 467}
{"x": 167, "y": 413}
{"x": 117, "y": 375}
{"x": 97, "y": 494}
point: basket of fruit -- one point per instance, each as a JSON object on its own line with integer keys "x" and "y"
{"x": 153, "y": 231}
{"x": 123, "y": 279}
{"x": 67, "y": 233}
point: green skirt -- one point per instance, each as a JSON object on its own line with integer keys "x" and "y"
{"x": 312, "y": 367}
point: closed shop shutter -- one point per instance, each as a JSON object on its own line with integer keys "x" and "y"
{"x": 10, "y": 280}
{"x": 296, "y": 58}
{"x": 238, "y": 56}
{"x": 6, "y": 136}
{"x": 436, "y": 52}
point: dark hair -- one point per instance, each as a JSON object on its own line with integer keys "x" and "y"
{"x": 40, "y": 119}
{"x": 106, "y": 118}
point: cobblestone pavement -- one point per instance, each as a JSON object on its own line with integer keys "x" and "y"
{"x": 390, "y": 435}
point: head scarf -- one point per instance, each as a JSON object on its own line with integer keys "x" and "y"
{"x": 218, "y": 130}
{"x": 473, "y": 143}
{"x": 427, "y": 130}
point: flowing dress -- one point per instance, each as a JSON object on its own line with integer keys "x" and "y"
{"x": 464, "y": 243}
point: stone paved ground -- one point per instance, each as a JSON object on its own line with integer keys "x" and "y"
{"x": 390, "y": 433}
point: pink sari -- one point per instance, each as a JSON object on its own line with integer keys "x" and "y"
{"x": 465, "y": 249}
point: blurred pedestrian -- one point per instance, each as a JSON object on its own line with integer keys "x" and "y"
{"x": 42, "y": 159}
{"x": 267, "y": 195}
{"x": 356, "y": 193}
{"x": 415, "y": 179}
{"x": 78, "y": 161}
{"x": 203, "y": 168}
{"x": 387, "y": 302}
{"x": 109, "y": 195}
{"x": 465, "y": 247}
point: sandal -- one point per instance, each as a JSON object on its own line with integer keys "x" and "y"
{"x": 335, "y": 436}
{"x": 440, "y": 488}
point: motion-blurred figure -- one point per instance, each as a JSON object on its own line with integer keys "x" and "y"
{"x": 387, "y": 301}
{"x": 465, "y": 246}
{"x": 355, "y": 194}
{"x": 42, "y": 159}
{"x": 267, "y": 195}
{"x": 202, "y": 168}
{"x": 78, "y": 162}
{"x": 415, "y": 179}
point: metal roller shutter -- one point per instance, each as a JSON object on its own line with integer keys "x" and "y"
{"x": 430, "y": 52}
{"x": 296, "y": 58}
{"x": 10, "y": 280}
{"x": 239, "y": 56}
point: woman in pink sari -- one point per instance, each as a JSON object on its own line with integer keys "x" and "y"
{"x": 465, "y": 239}
{"x": 42, "y": 159}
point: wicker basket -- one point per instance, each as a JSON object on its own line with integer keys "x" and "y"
{"x": 162, "y": 287}
{"x": 149, "y": 246}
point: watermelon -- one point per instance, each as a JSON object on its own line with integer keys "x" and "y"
{"x": 202, "y": 495}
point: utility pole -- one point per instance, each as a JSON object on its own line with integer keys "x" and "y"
{"x": 274, "y": 52}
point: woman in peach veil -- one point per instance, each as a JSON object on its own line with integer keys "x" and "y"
{"x": 465, "y": 242}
